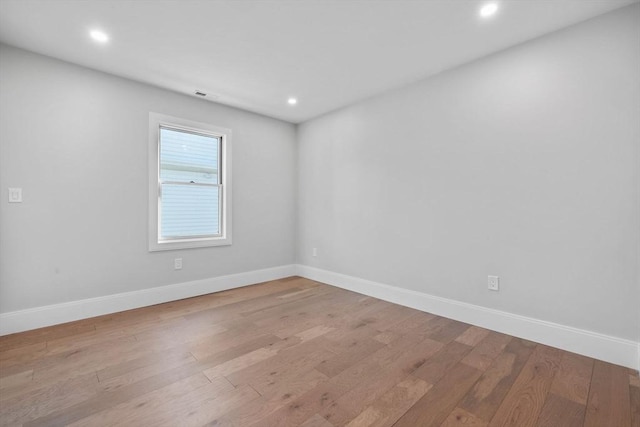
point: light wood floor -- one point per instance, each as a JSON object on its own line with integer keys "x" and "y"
{"x": 294, "y": 352}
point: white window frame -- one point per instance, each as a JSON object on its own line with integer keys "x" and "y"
{"x": 157, "y": 120}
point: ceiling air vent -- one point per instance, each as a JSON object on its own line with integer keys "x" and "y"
{"x": 200, "y": 93}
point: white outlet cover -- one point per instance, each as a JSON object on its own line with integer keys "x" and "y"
{"x": 15, "y": 195}
{"x": 177, "y": 264}
{"x": 493, "y": 283}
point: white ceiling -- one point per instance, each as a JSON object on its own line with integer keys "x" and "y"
{"x": 255, "y": 54}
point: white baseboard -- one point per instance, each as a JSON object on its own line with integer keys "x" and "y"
{"x": 38, "y": 317}
{"x": 599, "y": 346}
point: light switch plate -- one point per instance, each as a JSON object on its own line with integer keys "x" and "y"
{"x": 15, "y": 195}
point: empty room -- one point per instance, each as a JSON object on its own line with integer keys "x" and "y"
{"x": 320, "y": 213}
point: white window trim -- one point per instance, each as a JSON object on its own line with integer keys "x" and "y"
{"x": 155, "y": 244}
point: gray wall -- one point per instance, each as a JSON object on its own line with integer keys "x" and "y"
{"x": 76, "y": 141}
{"x": 524, "y": 165}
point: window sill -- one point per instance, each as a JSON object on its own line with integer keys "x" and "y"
{"x": 171, "y": 245}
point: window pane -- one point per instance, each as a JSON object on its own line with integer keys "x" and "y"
{"x": 189, "y": 210}
{"x": 186, "y": 157}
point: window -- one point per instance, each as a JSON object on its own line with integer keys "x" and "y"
{"x": 189, "y": 184}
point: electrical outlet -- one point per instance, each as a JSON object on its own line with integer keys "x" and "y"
{"x": 15, "y": 195}
{"x": 177, "y": 264}
{"x": 493, "y": 283}
{"x": 314, "y": 252}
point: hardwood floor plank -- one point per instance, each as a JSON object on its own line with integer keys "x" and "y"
{"x": 244, "y": 295}
{"x": 392, "y": 371}
{"x": 561, "y": 412}
{"x": 16, "y": 380}
{"x": 347, "y": 336}
{"x": 357, "y": 351}
{"x": 42, "y": 335}
{"x": 415, "y": 319}
{"x": 201, "y": 410}
{"x": 240, "y": 362}
{"x": 608, "y": 404}
{"x": 294, "y": 293}
{"x": 316, "y": 421}
{"x": 389, "y": 407}
{"x": 299, "y": 304}
{"x": 634, "y": 380}
{"x": 145, "y": 361}
{"x": 280, "y": 396}
{"x": 129, "y": 317}
{"x": 297, "y": 316}
{"x": 523, "y": 404}
{"x": 303, "y": 407}
{"x": 22, "y": 354}
{"x": 573, "y": 378}
{"x": 392, "y": 316}
{"x": 141, "y": 409}
{"x": 634, "y": 397}
{"x": 334, "y": 311}
{"x": 461, "y": 418}
{"x": 271, "y": 375}
{"x": 326, "y": 394}
{"x": 107, "y": 399}
{"x": 488, "y": 393}
{"x": 90, "y": 359}
{"x": 294, "y": 309}
{"x": 144, "y": 372}
{"x": 181, "y": 332}
{"x": 449, "y": 331}
{"x": 473, "y": 336}
{"x": 435, "y": 406}
{"x": 311, "y": 333}
{"x": 263, "y": 306}
{"x": 206, "y": 348}
{"x": 40, "y": 402}
{"x": 83, "y": 340}
{"x": 481, "y": 356}
{"x": 191, "y": 405}
{"x": 294, "y": 356}
{"x": 386, "y": 337}
{"x": 437, "y": 366}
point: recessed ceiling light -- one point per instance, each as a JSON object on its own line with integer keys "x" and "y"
{"x": 99, "y": 36}
{"x": 488, "y": 10}
{"x": 292, "y": 101}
